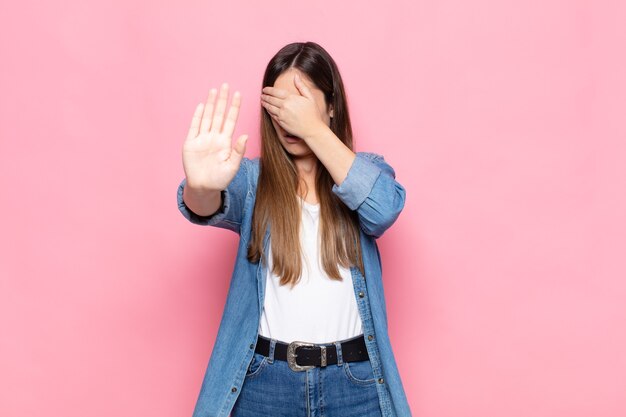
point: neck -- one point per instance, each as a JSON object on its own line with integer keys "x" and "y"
{"x": 306, "y": 167}
{"x": 307, "y": 170}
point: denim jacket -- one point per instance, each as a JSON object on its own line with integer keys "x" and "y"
{"x": 369, "y": 188}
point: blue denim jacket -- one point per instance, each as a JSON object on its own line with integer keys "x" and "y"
{"x": 369, "y": 188}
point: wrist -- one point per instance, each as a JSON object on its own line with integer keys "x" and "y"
{"x": 322, "y": 130}
{"x": 191, "y": 187}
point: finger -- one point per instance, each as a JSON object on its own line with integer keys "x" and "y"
{"x": 272, "y": 100}
{"x": 205, "y": 125}
{"x": 233, "y": 113}
{"x": 195, "y": 122}
{"x": 276, "y": 92}
{"x": 239, "y": 149}
{"x": 271, "y": 109}
{"x": 275, "y": 118}
{"x": 218, "y": 117}
{"x": 301, "y": 86}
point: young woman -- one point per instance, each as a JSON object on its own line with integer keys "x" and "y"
{"x": 304, "y": 328}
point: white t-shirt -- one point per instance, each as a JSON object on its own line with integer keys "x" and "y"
{"x": 317, "y": 309}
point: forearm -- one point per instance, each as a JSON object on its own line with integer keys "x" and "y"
{"x": 202, "y": 202}
{"x": 332, "y": 153}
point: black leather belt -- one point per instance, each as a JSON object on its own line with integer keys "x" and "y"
{"x": 302, "y": 355}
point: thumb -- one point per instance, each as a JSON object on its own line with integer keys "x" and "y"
{"x": 302, "y": 88}
{"x": 240, "y": 148}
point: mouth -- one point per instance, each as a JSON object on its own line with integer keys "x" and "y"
{"x": 292, "y": 139}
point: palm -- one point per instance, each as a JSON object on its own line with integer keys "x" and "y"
{"x": 209, "y": 160}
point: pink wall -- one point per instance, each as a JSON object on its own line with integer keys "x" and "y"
{"x": 504, "y": 276}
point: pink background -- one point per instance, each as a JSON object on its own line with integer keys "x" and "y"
{"x": 504, "y": 276}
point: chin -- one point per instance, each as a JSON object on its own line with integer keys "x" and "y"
{"x": 297, "y": 150}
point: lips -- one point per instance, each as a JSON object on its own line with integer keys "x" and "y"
{"x": 292, "y": 139}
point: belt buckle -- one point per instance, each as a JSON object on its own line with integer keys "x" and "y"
{"x": 291, "y": 356}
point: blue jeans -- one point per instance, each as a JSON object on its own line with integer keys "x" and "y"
{"x": 271, "y": 388}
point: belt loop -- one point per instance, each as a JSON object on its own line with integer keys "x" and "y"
{"x": 339, "y": 356}
{"x": 272, "y": 348}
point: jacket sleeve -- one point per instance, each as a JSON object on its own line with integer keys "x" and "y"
{"x": 371, "y": 189}
{"x": 230, "y": 214}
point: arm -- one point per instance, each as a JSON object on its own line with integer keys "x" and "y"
{"x": 363, "y": 181}
{"x": 215, "y": 185}
{"x": 300, "y": 115}
{"x": 371, "y": 189}
{"x": 229, "y": 213}
{"x": 201, "y": 202}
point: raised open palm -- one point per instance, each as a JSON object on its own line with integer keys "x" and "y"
{"x": 209, "y": 159}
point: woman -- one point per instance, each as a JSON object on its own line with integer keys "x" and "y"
{"x": 304, "y": 329}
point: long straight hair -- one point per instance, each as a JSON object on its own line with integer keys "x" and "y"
{"x": 276, "y": 205}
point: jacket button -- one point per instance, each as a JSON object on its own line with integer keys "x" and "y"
{"x": 370, "y": 337}
{"x": 380, "y": 380}
{"x": 361, "y": 294}
{"x": 234, "y": 389}
{"x": 251, "y": 346}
